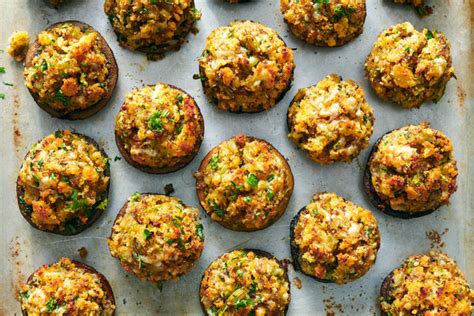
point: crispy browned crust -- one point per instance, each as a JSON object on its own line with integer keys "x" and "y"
{"x": 206, "y": 86}
{"x": 26, "y": 209}
{"x": 281, "y": 208}
{"x": 375, "y": 198}
{"x": 260, "y": 253}
{"x": 113, "y": 77}
{"x": 155, "y": 170}
{"x": 103, "y": 281}
{"x": 339, "y": 42}
{"x": 385, "y": 288}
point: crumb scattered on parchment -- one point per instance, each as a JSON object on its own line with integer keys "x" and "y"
{"x": 297, "y": 283}
{"x": 19, "y": 43}
{"x": 435, "y": 238}
{"x": 83, "y": 252}
{"x": 331, "y": 307}
{"x": 461, "y": 93}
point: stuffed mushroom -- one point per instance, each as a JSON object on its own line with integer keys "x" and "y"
{"x": 159, "y": 128}
{"x": 428, "y": 284}
{"x": 153, "y": 27}
{"x": 332, "y": 121}
{"x": 334, "y": 240}
{"x": 245, "y": 67}
{"x": 66, "y": 287}
{"x": 156, "y": 237}
{"x": 63, "y": 183}
{"x": 324, "y": 23}
{"x": 409, "y": 67}
{"x": 70, "y": 70}
{"x": 245, "y": 282}
{"x": 411, "y": 171}
{"x": 244, "y": 184}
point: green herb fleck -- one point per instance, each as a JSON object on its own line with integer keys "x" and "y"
{"x": 199, "y": 231}
{"x": 146, "y": 234}
{"x": 252, "y": 180}
{"x": 51, "y": 305}
{"x": 429, "y": 35}
{"x": 214, "y": 162}
{"x": 135, "y": 197}
{"x": 215, "y": 207}
{"x": 102, "y": 205}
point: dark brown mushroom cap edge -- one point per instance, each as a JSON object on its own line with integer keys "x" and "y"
{"x": 375, "y": 198}
{"x": 282, "y": 94}
{"x": 76, "y": 226}
{"x": 155, "y": 52}
{"x": 295, "y": 251}
{"x": 259, "y": 253}
{"x": 281, "y": 208}
{"x": 385, "y": 288}
{"x": 79, "y": 114}
{"x": 103, "y": 281}
{"x": 183, "y": 163}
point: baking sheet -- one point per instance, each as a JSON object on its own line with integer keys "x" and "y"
{"x": 22, "y": 123}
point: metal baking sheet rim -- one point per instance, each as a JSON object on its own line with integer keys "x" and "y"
{"x": 23, "y": 249}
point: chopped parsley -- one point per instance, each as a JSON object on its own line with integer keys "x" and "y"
{"x": 2, "y": 96}
{"x": 198, "y": 76}
{"x": 159, "y": 284}
{"x": 247, "y": 199}
{"x": 117, "y": 158}
{"x": 135, "y": 197}
{"x": 155, "y": 122}
{"x": 66, "y": 101}
{"x": 179, "y": 241}
{"x": 58, "y": 134}
{"x": 2, "y": 70}
{"x": 340, "y": 11}
{"x": 242, "y": 303}
{"x": 102, "y": 205}
{"x": 214, "y": 162}
{"x": 51, "y": 305}
{"x": 270, "y": 194}
{"x": 215, "y": 207}
{"x": 147, "y": 234}
{"x": 252, "y": 180}
{"x": 429, "y": 35}
{"x": 199, "y": 231}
